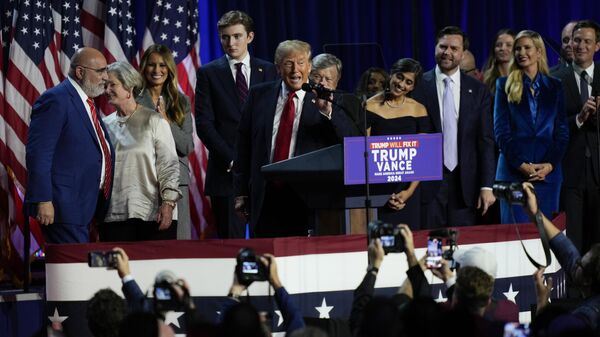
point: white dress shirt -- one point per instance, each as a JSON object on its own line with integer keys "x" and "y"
{"x": 298, "y": 101}
{"x": 84, "y": 98}
{"x": 245, "y": 67}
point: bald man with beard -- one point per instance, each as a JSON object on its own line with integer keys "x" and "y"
{"x": 69, "y": 155}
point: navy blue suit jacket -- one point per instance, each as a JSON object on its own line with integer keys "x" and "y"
{"x": 64, "y": 157}
{"x": 254, "y": 138}
{"x": 520, "y": 140}
{"x": 218, "y": 113}
{"x": 579, "y": 138}
{"x": 476, "y": 158}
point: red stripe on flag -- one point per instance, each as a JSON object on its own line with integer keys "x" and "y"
{"x": 21, "y": 83}
{"x": 10, "y": 160}
{"x": 92, "y": 23}
{"x": 16, "y": 123}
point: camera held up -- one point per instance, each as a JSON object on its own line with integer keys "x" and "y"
{"x": 389, "y": 234}
{"x": 169, "y": 293}
{"x": 100, "y": 259}
{"x": 249, "y": 268}
{"x": 511, "y": 192}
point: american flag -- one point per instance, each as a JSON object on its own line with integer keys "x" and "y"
{"x": 38, "y": 39}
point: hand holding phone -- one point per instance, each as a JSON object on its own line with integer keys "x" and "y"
{"x": 434, "y": 253}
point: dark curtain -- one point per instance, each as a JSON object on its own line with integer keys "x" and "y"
{"x": 376, "y": 33}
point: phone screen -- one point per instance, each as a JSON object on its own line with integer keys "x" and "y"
{"x": 434, "y": 253}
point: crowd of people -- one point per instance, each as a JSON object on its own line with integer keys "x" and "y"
{"x": 516, "y": 120}
{"x": 470, "y": 310}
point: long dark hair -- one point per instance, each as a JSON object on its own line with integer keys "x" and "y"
{"x": 174, "y": 102}
{"x": 405, "y": 65}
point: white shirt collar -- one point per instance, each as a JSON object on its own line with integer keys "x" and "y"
{"x": 589, "y": 70}
{"x": 441, "y": 76}
{"x": 77, "y": 87}
{"x": 299, "y": 93}
{"x": 245, "y": 60}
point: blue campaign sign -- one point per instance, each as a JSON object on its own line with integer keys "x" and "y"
{"x": 393, "y": 158}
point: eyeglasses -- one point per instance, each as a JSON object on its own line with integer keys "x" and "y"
{"x": 98, "y": 70}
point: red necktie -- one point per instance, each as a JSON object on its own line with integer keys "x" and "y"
{"x": 105, "y": 151}
{"x": 284, "y": 133}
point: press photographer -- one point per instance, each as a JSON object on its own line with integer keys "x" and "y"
{"x": 363, "y": 311}
{"x": 238, "y": 314}
{"x": 583, "y": 272}
{"x": 170, "y": 293}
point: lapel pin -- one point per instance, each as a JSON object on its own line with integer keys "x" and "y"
{"x": 470, "y": 91}
{"x": 260, "y": 69}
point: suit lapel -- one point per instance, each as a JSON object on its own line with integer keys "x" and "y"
{"x": 431, "y": 91}
{"x": 269, "y": 115}
{"x": 82, "y": 112}
{"x": 464, "y": 108}
{"x": 227, "y": 81}
{"x": 571, "y": 88}
{"x": 257, "y": 75}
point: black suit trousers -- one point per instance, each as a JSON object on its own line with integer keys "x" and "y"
{"x": 582, "y": 206}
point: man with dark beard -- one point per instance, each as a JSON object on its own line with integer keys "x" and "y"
{"x": 69, "y": 155}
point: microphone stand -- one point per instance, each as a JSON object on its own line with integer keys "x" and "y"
{"x": 362, "y": 110}
{"x": 26, "y": 248}
{"x": 363, "y": 99}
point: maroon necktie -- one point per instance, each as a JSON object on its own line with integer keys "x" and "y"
{"x": 105, "y": 151}
{"x": 241, "y": 85}
{"x": 284, "y": 133}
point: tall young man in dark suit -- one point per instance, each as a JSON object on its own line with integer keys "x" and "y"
{"x": 459, "y": 107}
{"x": 581, "y": 169}
{"x": 70, "y": 159}
{"x": 281, "y": 121}
{"x": 221, "y": 91}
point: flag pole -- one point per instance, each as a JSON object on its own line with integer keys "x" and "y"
{"x": 26, "y": 248}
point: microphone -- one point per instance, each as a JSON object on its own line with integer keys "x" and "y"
{"x": 322, "y": 92}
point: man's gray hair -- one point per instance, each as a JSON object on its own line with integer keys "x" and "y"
{"x": 323, "y": 61}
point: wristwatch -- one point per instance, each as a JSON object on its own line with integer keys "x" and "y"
{"x": 170, "y": 203}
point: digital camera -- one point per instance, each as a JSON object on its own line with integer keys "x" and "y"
{"x": 249, "y": 268}
{"x": 511, "y": 192}
{"x": 390, "y": 236}
{"x": 99, "y": 259}
{"x": 169, "y": 292}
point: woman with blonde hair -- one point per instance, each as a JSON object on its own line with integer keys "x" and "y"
{"x": 530, "y": 125}
{"x": 160, "y": 93}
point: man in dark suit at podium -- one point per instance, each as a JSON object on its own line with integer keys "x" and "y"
{"x": 459, "y": 108}
{"x": 280, "y": 121}
{"x": 221, "y": 91}
{"x": 581, "y": 169}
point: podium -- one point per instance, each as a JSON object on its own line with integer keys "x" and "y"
{"x": 318, "y": 178}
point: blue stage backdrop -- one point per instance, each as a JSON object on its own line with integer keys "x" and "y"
{"x": 392, "y": 29}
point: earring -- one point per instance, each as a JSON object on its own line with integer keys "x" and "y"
{"x": 128, "y": 95}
